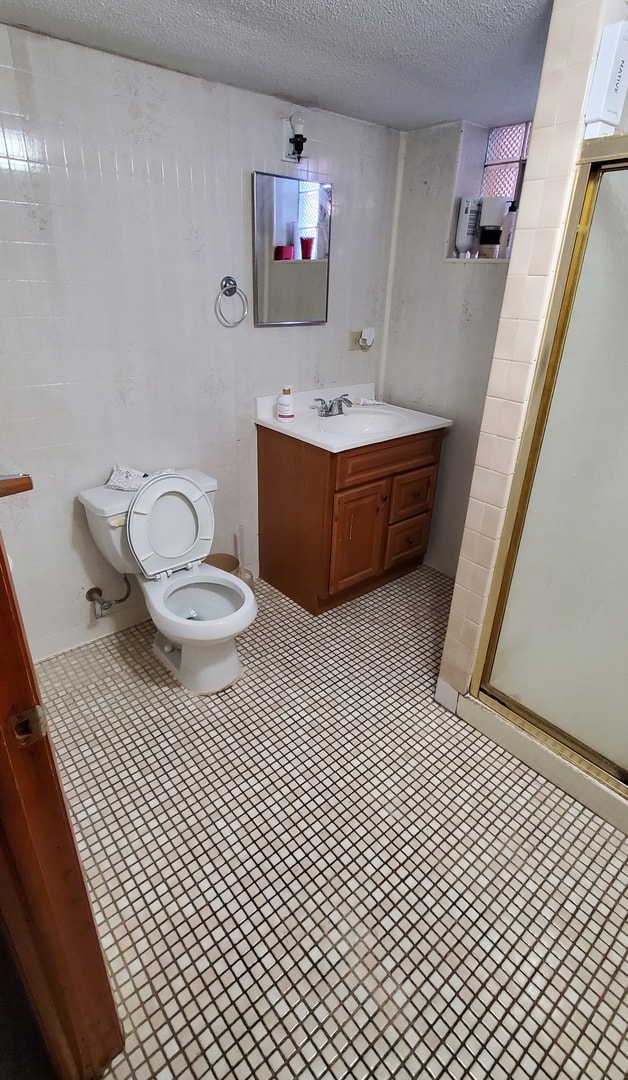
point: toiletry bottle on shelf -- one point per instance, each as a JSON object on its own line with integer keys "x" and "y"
{"x": 285, "y": 405}
{"x": 508, "y": 229}
{"x": 467, "y": 229}
{"x": 490, "y": 238}
{"x": 492, "y": 214}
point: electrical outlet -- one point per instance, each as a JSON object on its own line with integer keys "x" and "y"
{"x": 354, "y": 340}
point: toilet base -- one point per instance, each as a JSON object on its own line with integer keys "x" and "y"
{"x": 204, "y": 669}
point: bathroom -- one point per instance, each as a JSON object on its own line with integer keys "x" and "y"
{"x": 111, "y": 349}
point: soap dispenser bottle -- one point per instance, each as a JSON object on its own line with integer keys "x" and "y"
{"x": 285, "y": 405}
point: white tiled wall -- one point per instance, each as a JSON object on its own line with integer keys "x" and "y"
{"x": 557, "y": 134}
{"x": 124, "y": 199}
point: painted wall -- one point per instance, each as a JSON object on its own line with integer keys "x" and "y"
{"x": 556, "y": 137}
{"x": 124, "y": 199}
{"x": 444, "y": 317}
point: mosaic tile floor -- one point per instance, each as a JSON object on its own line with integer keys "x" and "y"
{"x": 321, "y": 873}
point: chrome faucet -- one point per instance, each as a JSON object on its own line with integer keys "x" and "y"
{"x": 333, "y": 407}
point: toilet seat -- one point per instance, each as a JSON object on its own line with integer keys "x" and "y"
{"x": 169, "y": 525}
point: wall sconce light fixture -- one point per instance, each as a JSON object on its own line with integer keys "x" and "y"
{"x": 294, "y": 139}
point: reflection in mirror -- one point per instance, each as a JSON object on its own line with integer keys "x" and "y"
{"x": 291, "y": 228}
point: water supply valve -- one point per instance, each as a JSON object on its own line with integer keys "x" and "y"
{"x": 104, "y": 607}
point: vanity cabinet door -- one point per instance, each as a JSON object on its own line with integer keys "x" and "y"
{"x": 360, "y": 523}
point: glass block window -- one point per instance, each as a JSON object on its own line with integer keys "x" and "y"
{"x": 308, "y": 212}
{"x": 506, "y": 155}
{"x": 500, "y": 180}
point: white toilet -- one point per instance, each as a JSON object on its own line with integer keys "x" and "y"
{"x": 162, "y": 533}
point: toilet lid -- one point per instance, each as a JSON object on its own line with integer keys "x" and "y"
{"x": 170, "y": 524}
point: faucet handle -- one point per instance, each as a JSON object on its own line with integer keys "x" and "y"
{"x": 335, "y": 406}
{"x": 322, "y": 407}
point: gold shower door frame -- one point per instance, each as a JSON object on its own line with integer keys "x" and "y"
{"x": 597, "y": 157}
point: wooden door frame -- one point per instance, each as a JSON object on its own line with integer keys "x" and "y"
{"x": 44, "y": 904}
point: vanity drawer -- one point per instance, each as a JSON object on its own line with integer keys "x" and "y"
{"x": 407, "y": 540}
{"x": 412, "y": 493}
{"x": 370, "y": 462}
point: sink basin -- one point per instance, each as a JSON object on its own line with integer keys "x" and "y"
{"x": 361, "y": 425}
{"x": 362, "y": 422}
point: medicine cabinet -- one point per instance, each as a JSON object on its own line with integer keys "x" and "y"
{"x": 291, "y": 235}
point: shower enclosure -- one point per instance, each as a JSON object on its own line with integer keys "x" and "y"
{"x": 557, "y": 654}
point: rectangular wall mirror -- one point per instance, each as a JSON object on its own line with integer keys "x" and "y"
{"x": 291, "y": 232}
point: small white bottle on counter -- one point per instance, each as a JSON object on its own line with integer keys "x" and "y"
{"x": 285, "y": 405}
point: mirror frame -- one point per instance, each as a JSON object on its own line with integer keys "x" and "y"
{"x": 259, "y": 259}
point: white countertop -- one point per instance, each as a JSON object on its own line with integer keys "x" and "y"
{"x": 361, "y": 425}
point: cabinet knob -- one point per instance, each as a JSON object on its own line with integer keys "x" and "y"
{"x": 384, "y": 498}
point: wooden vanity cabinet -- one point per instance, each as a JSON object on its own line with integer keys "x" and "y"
{"x": 332, "y": 526}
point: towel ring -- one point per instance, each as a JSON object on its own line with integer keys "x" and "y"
{"x": 229, "y": 287}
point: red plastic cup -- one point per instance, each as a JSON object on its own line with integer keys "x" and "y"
{"x": 307, "y": 243}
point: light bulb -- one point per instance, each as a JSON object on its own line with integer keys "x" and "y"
{"x": 297, "y": 123}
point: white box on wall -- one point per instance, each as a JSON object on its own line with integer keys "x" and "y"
{"x": 609, "y": 83}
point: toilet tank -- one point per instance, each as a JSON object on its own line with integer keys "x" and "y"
{"x": 106, "y": 510}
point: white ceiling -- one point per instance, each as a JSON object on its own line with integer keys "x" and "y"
{"x": 403, "y": 63}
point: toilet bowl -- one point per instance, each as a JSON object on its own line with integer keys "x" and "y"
{"x": 198, "y": 612}
{"x": 162, "y": 533}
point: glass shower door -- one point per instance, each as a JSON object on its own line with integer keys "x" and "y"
{"x": 562, "y": 651}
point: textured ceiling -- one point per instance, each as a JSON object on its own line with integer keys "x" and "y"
{"x": 403, "y": 63}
